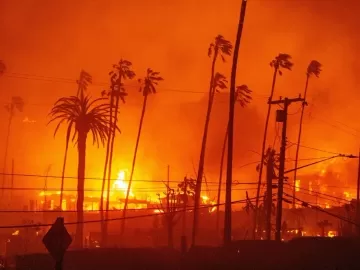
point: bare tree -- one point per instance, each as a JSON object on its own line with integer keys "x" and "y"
{"x": 171, "y": 211}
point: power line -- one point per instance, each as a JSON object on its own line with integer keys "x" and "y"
{"x": 103, "y": 84}
{"x": 339, "y": 122}
{"x": 319, "y": 193}
{"x": 98, "y": 190}
{"x": 116, "y": 219}
{"x": 317, "y": 149}
{"x": 306, "y": 204}
{"x": 316, "y": 162}
{"x": 321, "y": 197}
{"x": 98, "y": 178}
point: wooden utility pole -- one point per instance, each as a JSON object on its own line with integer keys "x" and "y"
{"x": 358, "y": 199}
{"x": 185, "y": 201}
{"x": 282, "y": 117}
{"x": 227, "y": 221}
{"x": 168, "y": 189}
{"x": 184, "y": 207}
{"x": 12, "y": 179}
{"x": 269, "y": 178}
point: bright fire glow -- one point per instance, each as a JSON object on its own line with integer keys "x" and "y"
{"x": 297, "y": 185}
{"x": 205, "y": 198}
{"x": 120, "y": 185}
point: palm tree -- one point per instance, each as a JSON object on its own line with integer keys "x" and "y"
{"x": 243, "y": 96}
{"x": 16, "y": 103}
{"x": 122, "y": 71}
{"x": 83, "y": 82}
{"x": 220, "y": 47}
{"x": 282, "y": 61}
{"x": 87, "y": 116}
{"x": 148, "y": 86}
{"x": 314, "y": 68}
{"x": 228, "y": 204}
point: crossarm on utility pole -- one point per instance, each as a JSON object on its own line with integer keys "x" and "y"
{"x": 289, "y": 101}
{"x": 283, "y": 119}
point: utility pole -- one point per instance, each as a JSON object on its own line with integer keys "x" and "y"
{"x": 45, "y": 187}
{"x": 185, "y": 206}
{"x": 185, "y": 201}
{"x": 269, "y": 178}
{"x": 168, "y": 189}
{"x": 358, "y": 199}
{"x": 282, "y": 117}
{"x": 12, "y": 179}
{"x": 227, "y": 220}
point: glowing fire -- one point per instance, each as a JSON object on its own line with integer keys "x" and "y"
{"x": 205, "y": 199}
{"x": 297, "y": 185}
{"x": 120, "y": 185}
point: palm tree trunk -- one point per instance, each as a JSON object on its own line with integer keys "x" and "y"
{"x": 103, "y": 222}
{"x": 6, "y": 151}
{"x": 228, "y": 202}
{"x": 133, "y": 164}
{"x": 80, "y": 189}
{"x": 64, "y": 164}
{"x": 299, "y": 138}
{"x": 220, "y": 180}
{"x": 111, "y": 156}
{"x": 263, "y": 151}
{"x": 202, "y": 153}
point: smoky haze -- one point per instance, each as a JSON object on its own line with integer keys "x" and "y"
{"x": 58, "y": 39}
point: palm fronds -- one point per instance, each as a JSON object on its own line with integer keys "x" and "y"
{"x": 87, "y": 115}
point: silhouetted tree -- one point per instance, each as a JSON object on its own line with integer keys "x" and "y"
{"x": 243, "y": 96}
{"x": 88, "y": 116}
{"x": 16, "y": 104}
{"x": 171, "y": 211}
{"x": 186, "y": 189}
{"x": 84, "y": 80}
{"x": 282, "y": 61}
{"x": 148, "y": 86}
{"x": 314, "y": 68}
{"x": 220, "y": 47}
{"x": 122, "y": 71}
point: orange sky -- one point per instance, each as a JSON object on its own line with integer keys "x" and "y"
{"x": 58, "y": 39}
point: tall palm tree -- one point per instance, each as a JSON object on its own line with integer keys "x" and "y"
{"x": 122, "y": 71}
{"x": 220, "y": 47}
{"x": 148, "y": 86}
{"x": 282, "y": 61}
{"x": 16, "y": 104}
{"x": 243, "y": 97}
{"x": 228, "y": 204}
{"x": 87, "y": 116}
{"x": 84, "y": 80}
{"x": 314, "y": 68}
